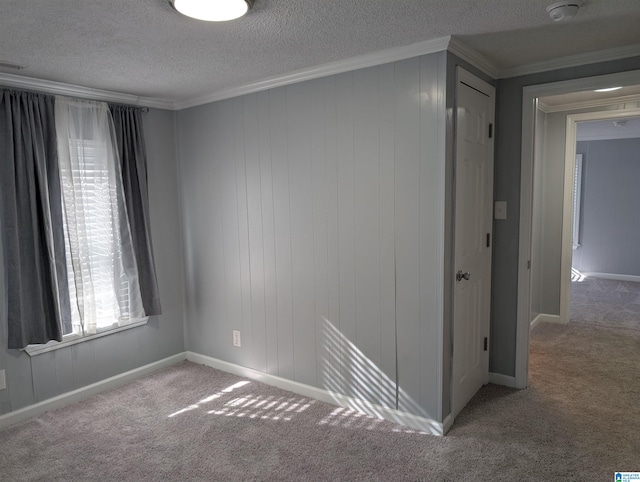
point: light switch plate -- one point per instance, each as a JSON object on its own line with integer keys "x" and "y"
{"x": 3, "y": 380}
{"x": 500, "y": 210}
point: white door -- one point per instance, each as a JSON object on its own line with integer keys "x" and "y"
{"x": 473, "y": 223}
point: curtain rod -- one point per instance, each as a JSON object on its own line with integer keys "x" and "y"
{"x": 142, "y": 108}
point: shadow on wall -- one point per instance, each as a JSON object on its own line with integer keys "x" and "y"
{"x": 347, "y": 370}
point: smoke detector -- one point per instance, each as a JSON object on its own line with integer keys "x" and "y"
{"x": 565, "y": 10}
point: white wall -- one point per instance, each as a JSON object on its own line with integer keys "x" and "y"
{"x": 314, "y": 224}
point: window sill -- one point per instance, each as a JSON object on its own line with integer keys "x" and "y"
{"x": 69, "y": 340}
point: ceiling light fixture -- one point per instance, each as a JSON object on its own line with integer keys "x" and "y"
{"x": 608, "y": 89}
{"x": 212, "y": 10}
{"x": 566, "y": 10}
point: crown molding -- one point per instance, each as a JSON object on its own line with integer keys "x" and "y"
{"x": 354, "y": 63}
{"x": 572, "y": 61}
{"x": 608, "y": 137}
{"x": 51, "y": 87}
{"x": 588, "y": 104}
{"x": 475, "y": 58}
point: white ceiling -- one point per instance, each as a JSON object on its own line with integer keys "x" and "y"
{"x": 145, "y": 48}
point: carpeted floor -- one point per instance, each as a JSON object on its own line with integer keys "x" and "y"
{"x": 578, "y": 421}
{"x": 606, "y": 302}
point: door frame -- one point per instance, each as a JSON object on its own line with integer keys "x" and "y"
{"x": 530, "y": 95}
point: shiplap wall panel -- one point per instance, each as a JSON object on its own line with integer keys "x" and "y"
{"x": 282, "y": 217}
{"x": 432, "y": 207}
{"x": 386, "y": 145}
{"x": 19, "y": 380}
{"x": 256, "y": 345}
{"x": 64, "y": 371}
{"x": 299, "y": 106}
{"x": 268, "y": 234}
{"x": 43, "y": 368}
{"x": 84, "y": 364}
{"x": 407, "y": 242}
{"x": 245, "y": 323}
{"x": 367, "y": 234}
{"x": 318, "y": 128}
{"x": 346, "y": 230}
{"x": 333, "y": 367}
{"x": 337, "y": 185}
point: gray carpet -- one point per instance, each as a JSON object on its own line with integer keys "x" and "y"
{"x": 578, "y": 421}
{"x": 606, "y": 302}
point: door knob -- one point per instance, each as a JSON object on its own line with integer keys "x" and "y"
{"x": 460, "y": 275}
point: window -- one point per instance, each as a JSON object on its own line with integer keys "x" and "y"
{"x": 101, "y": 269}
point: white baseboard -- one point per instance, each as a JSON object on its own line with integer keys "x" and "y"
{"x": 417, "y": 422}
{"x": 614, "y": 276}
{"x": 68, "y": 398}
{"x": 500, "y": 379}
{"x": 546, "y": 318}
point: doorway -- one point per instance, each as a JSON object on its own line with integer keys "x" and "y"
{"x": 531, "y": 96}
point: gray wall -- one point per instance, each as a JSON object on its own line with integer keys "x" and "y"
{"x": 507, "y": 187}
{"x": 33, "y": 379}
{"x": 314, "y": 218}
{"x": 610, "y": 220}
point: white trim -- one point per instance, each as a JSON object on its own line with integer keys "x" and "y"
{"x": 427, "y": 425}
{"x": 500, "y": 379}
{"x": 588, "y": 104}
{"x": 68, "y": 398}
{"x": 529, "y": 105}
{"x": 614, "y": 276}
{"x": 346, "y": 65}
{"x": 523, "y": 316}
{"x": 33, "y": 350}
{"x": 546, "y": 318}
{"x": 472, "y": 56}
{"x": 51, "y": 87}
{"x": 573, "y": 61}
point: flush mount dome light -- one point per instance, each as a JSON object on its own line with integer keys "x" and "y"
{"x": 212, "y": 10}
{"x": 608, "y": 89}
{"x": 566, "y": 10}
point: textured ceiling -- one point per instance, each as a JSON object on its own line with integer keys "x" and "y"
{"x": 145, "y": 48}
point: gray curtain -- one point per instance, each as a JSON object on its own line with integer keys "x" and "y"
{"x": 131, "y": 148}
{"x": 37, "y": 289}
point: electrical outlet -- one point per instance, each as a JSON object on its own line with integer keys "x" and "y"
{"x": 236, "y": 338}
{"x": 3, "y": 380}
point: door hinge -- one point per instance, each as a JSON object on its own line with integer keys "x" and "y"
{"x": 490, "y": 131}
{"x": 529, "y": 264}
{"x": 485, "y": 343}
{"x": 488, "y": 240}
